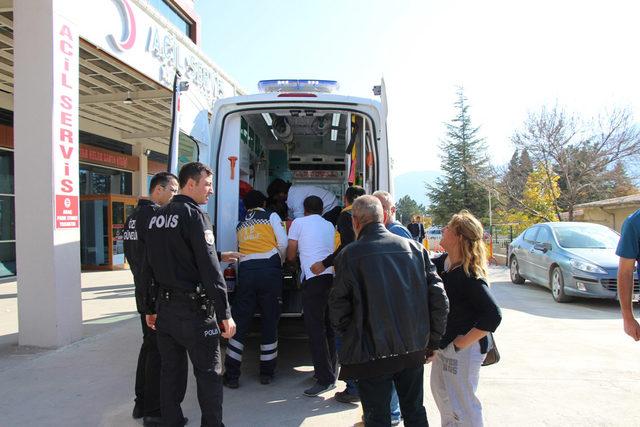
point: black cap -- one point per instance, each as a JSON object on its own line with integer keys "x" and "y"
{"x": 254, "y": 199}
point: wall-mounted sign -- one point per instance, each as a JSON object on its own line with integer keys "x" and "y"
{"x": 313, "y": 174}
{"x": 127, "y": 32}
{"x": 104, "y": 157}
{"x": 65, "y": 144}
{"x": 171, "y": 54}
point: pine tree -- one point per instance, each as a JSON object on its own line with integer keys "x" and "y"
{"x": 514, "y": 181}
{"x": 464, "y": 155}
{"x": 617, "y": 182}
{"x": 407, "y": 208}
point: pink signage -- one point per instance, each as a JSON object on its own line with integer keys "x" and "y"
{"x": 65, "y": 121}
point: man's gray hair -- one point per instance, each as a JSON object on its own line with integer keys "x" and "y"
{"x": 367, "y": 209}
{"x": 386, "y": 199}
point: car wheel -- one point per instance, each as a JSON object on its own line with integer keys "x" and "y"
{"x": 557, "y": 286}
{"x": 514, "y": 272}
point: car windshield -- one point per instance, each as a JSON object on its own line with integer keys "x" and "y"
{"x": 587, "y": 237}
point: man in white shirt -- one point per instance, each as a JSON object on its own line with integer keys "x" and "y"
{"x": 294, "y": 195}
{"x": 313, "y": 237}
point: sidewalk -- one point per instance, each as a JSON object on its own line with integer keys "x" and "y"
{"x": 563, "y": 365}
{"x": 107, "y": 300}
{"x": 91, "y": 382}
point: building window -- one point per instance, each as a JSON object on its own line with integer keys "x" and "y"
{"x": 171, "y": 13}
{"x": 98, "y": 180}
{"x": 188, "y": 150}
{"x": 7, "y": 215}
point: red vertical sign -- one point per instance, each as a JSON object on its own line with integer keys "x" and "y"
{"x": 66, "y": 145}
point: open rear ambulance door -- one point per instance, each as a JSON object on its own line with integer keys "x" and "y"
{"x": 228, "y": 185}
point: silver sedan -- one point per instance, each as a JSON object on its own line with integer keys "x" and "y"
{"x": 573, "y": 259}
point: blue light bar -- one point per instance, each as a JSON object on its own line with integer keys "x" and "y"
{"x": 275, "y": 86}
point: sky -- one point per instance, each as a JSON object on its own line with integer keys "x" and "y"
{"x": 511, "y": 57}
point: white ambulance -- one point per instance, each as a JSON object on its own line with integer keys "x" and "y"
{"x": 299, "y": 131}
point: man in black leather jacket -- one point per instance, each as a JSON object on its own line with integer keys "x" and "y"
{"x": 390, "y": 308}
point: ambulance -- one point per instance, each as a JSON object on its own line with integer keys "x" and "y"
{"x": 302, "y": 132}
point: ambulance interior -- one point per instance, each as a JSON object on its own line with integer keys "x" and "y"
{"x": 315, "y": 147}
{"x": 328, "y": 148}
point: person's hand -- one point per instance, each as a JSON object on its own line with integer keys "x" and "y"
{"x": 460, "y": 343}
{"x": 230, "y": 256}
{"x": 430, "y": 355}
{"x": 317, "y": 267}
{"x": 151, "y": 321}
{"x": 632, "y": 328}
{"x": 229, "y": 328}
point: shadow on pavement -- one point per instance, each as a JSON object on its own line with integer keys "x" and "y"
{"x": 281, "y": 403}
{"x": 537, "y": 300}
{"x": 97, "y": 289}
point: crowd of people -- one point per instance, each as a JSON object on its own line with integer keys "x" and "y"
{"x": 376, "y": 307}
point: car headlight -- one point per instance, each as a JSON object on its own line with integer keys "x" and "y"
{"x": 586, "y": 266}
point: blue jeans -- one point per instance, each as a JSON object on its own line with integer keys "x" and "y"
{"x": 375, "y": 395}
{"x": 395, "y": 404}
{"x": 351, "y": 384}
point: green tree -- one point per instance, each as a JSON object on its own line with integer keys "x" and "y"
{"x": 583, "y": 153}
{"x": 514, "y": 180}
{"x": 407, "y": 208}
{"x": 538, "y": 201}
{"x": 464, "y": 156}
{"x": 619, "y": 182}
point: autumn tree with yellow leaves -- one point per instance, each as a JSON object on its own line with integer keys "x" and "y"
{"x": 539, "y": 199}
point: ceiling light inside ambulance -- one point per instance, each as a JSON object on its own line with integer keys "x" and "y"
{"x": 282, "y": 130}
{"x": 278, "y": 86}
{"x": 336, "y": 120}
{"x": 267, "y": 119}
{"x": 334, "y": 134}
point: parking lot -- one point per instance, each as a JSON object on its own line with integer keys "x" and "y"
{"x": 562, "y": 365}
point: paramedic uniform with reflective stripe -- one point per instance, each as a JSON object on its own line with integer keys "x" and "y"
{"x": 262, "y": 240}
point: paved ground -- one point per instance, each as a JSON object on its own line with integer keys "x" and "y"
{"x": 562, "y": 365}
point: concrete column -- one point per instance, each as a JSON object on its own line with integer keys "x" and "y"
{"x": 47, "y": 174}
{"x": 140, "y": 178}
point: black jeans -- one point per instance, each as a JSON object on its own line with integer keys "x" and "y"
{"x": 148, "y": 373}
{"x": 259, "y": 286}
{"x": 315, "y": 296}
{"x": 182, "y": 330}
{"x": 375, "y": 395}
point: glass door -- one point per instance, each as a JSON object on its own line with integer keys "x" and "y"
{"x": 94, "y": 233}
{"x": 121, "y": 208}
{"x": 102, "y": 219}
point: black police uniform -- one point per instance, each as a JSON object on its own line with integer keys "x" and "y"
{"x": 182, "y": 256}
{"x": 148, "y": 371}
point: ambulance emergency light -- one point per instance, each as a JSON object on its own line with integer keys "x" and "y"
{"x": 275, "y": 86}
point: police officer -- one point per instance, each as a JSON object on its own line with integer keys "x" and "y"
{"x": 162, "y": 188}
{"x": 262, "y": 241}
{"x": 191, "y": 300}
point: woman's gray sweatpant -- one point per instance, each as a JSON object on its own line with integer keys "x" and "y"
{"x": 454, "y": 381}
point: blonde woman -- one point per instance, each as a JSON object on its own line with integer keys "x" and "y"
{"x": 473, "y": 313}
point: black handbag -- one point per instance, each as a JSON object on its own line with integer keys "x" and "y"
{"x": 493, "y": 355}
